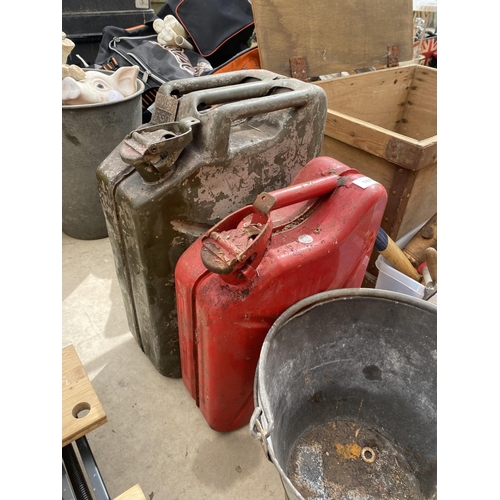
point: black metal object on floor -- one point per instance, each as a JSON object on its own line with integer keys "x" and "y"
{"x": 75, "y": 485}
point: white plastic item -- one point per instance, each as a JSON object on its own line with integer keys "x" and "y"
{"x": 181, "y": 42}
{"x": 425, "y": 5}
{"x": 393, "y": 280}
{"x": 171, "y": 22}
{"x": 167, "y": 37}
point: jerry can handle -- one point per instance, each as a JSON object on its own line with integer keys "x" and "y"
{"x": 188, "y": 85}
{"x": 295, "y": 193}
{"x": 169, "y": 93}
{"x": 229, "y": 245}
{"x": 236, "y": 103}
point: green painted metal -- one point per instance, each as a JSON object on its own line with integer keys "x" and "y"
{"x": 248, "y": 131}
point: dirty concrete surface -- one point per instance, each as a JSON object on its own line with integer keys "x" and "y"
{"x": 155, "y": 435}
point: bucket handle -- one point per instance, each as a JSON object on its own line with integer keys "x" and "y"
{"x": 258, "y": 431}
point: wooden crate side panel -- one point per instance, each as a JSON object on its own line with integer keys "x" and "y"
{"x": 360, "y": 135}
{"x": 422, "y": 204}
{"x": 396, "y": 148}
{"x": 419, "y": 120}
{"x": 419, "y": 206}
{"x": 377, "y": 97}
{"x": 372, "y": 166}
{"x": 333, "y": 35}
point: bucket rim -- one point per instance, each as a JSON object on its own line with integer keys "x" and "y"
{"x": 261, "y": 397}
{"x": 140, "y": 87}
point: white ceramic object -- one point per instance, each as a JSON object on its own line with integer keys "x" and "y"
{"x": 99, "y": 87}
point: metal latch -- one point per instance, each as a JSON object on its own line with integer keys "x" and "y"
{"x": 154, "y": 149}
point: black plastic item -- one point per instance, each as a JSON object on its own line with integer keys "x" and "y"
{"x": 346, "y": 396}
{"x": 157, "y": 63}
{"x": 219, "y": 29}
{"x": 93, "y": 473}
{"x": 84, "y": 21}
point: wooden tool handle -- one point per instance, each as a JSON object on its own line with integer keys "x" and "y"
{"x": 431, "y": 258}
{"x": 395, "y": 256}
{"x": 425, "y": 237}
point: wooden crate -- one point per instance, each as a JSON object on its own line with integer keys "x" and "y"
{"x": 383, "y": 122}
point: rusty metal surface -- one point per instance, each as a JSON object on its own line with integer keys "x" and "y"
{"x": 89, "y": 134}
{"x": 153, "y": 149}
{"x": 403, "y": 153}
{"x": 392, "y": 56}
{"x": 397, "y": 201}
{"x": 365, "y": 358}
{"x": 298, "y": 68}
{"x": 165, "y": 108}
{"x": 256, "y": 131}
{"x": 345, "y": 459}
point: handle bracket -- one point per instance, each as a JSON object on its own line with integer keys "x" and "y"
{"x": 154, "y": 149}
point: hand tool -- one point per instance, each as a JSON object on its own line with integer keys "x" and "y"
{"x": 395, "y": 256}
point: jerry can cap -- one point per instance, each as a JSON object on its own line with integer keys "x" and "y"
{"x": 153, "y": 149}
{"x": 236, "y": 245}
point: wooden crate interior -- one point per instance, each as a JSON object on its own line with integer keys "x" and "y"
{"x": 402, "y": 100}
{"x": 419, "y": 119}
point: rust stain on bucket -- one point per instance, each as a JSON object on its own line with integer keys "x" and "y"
{"x": 348, "y": 451}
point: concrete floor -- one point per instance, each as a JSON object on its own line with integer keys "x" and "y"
{"x": 155, "y": 435}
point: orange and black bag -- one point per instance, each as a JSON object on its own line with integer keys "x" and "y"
{"x": 218, "y": 29}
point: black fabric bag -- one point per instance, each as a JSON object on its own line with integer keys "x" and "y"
{"x": 157, "y": 63}
{"x": 219, "y": 29}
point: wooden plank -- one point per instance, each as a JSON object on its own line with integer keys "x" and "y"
{"x": 377, "y": 97}
{"x": 396, "y": 148}
{"x": 419, "y": 119}
{"x": 333, "y": 35}
{"x": 134, "y": 493}
{"x": 78, "y": 395}
{"x": 357, "y": 133}
{"x": 422, "y": 203}
{"x": 400, "y": 215}
{"x": 372, "y": 166}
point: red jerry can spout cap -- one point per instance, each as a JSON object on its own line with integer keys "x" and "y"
{"x": 236, "y": 245}
{"x": 239, "y": 249}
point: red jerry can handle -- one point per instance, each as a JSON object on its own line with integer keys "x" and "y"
{"x": 234, "y": 250}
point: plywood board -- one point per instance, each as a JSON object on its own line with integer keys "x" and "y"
{"x": 78, "y": 399}
{"x": 134, "y": 493}
{"x": 333, "y": 35}
{"x": 376, "y": 97}
{"x": 420, "y": 113}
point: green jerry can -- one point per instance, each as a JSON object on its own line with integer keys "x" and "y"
{"x": 213, "y": 144}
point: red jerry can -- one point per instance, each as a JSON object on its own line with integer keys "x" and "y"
{"x": 317, "y": 234}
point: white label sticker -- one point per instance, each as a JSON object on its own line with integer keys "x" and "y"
{"x": 305, "y": 238}
{"x": 364, "y": 182}
{"x": 142, "y": 4}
